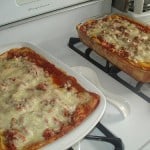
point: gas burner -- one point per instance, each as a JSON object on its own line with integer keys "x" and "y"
{"x": 141, "y": 89}
{"x": 108, "y": 137}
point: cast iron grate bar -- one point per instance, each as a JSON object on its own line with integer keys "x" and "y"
{"x": 108, "y": 137}
{"x": 108, "y": 68}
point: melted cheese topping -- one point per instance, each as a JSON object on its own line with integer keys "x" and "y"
{"x": 123, "y": 35}
{"x": 30, "y": 102}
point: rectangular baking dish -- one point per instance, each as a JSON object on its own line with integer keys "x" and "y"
{"x": 86, "y": 126}
{"x": 139, "y": 71}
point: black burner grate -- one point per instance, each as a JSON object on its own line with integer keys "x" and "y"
{"x": 108, "y": 68}
{"x": 109, "y": 138}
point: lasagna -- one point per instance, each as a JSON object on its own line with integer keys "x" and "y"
{"x": 39, "y": 102}
{"x": 121, "y": 40}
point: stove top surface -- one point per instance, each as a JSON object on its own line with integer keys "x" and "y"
{"x": 52, "y": 33}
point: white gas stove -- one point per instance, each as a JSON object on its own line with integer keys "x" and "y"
{"x": 51, "y": 31}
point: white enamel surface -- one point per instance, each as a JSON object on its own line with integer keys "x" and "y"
{"x": 52, "y": 34}
{"x": 20, "y": 9}
{"x": 119, "y": 102}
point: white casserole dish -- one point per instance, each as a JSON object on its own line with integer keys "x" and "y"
{"x": 86, "y": 126}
